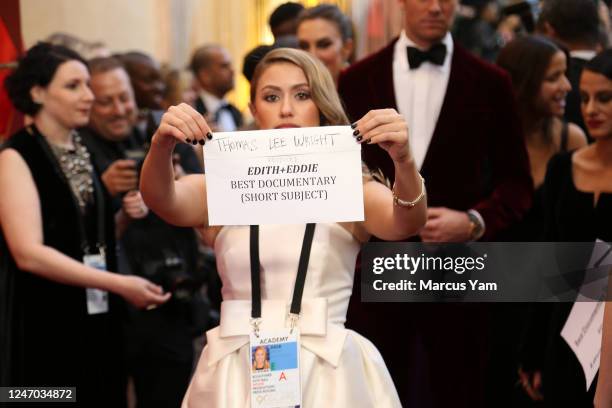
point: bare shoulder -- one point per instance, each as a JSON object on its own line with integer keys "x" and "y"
{"x": 576, "y": 137}
{"x": 20, "y": 198}
{"x": 583, "y": 158}
{"x": 12, "y": 164}
{"x": 8, "y": 154}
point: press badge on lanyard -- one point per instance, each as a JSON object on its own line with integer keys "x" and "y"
{"x": 275, "y": 369}
{"x": 97, "y": 299}
{"x": 274, "y": 354}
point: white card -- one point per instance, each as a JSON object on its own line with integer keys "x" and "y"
{"x": 275, "y": 369}
{"x": 97, "y": 299}
{"x": 583, "y": 327}
{"x": 284, "y": 176}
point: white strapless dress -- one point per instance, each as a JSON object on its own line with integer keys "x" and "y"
{"x": 338, "y": 367}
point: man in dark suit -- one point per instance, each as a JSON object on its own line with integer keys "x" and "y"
{"x": 466, "y": 138}
{"x": 212, "y": 67}
{"x": 158, "y": 342}
{"x": 575, "y": 25}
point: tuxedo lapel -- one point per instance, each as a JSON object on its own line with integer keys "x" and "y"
{"x": 448, "y": 114}
{"x": 200, "y": 107}
{"x": 236, "y": 115}
{"x": 380, "y": 83}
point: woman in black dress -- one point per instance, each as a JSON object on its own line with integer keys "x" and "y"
{"x": 55, "y": 218}
{"x": 578, "y": 208}
{"x": 538, "y": 70}
{"x": 592, "y": 181}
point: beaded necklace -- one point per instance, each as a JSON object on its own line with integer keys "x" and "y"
{"x": 76, "y": 165}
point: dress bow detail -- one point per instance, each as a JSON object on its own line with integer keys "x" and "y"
{"x": 324, "y": 339}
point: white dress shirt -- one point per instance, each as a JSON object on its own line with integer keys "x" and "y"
{"x": 419, "y": 94}
{"x": 225, "y": 122}
{"x": 583, "y": 54}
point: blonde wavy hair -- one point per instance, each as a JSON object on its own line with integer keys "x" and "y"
{"x": 322, "y": 86}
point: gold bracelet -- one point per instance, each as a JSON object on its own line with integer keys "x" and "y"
{"x": 409, "y": 204}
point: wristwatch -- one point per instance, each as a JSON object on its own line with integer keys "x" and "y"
{"x": 477, "y": 227}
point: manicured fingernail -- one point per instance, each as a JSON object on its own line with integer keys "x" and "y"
{"x": 201, "y": 141}
{"x": 194, "y": 142}
{"x": 209, "y": 136}
{"x": 359, "y": 138}
{"x": 368, "y": 141}
{"x": 353, "y": 125}
{"x": 356, "y": 132}
{"x": 188, "y": 140}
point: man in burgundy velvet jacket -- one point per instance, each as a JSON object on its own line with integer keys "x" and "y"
{"x": 466, "y": 138}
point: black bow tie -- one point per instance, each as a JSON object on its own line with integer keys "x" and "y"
{"x": 435, "y": 55}
{"x": 223, "y": 107}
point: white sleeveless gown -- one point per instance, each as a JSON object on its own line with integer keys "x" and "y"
{"x": 338, "y": 367}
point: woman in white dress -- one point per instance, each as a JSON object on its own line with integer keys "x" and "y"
{"x": 338, "y": 367}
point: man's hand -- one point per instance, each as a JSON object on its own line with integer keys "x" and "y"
{"x": 121, "y": 176}
{"x": 445, "y": 225}
{"x": 134, "y": 206}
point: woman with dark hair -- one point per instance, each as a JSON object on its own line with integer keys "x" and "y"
{"x": 338, "y": 367}
{"x": 60, "y": 327}
{"x": 577, "y": 197}
{"x": 583, "y": 182}
{"x": 537, "y": 68}
{"x": 327, "y": 33}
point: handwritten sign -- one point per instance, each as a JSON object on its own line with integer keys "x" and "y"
{"x": 284, "y": 176}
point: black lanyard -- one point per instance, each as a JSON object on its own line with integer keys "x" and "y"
{"x": 298, "y": 290}
{"x": 99, "y": 197}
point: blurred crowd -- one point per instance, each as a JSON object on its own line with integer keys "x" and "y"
{"x": 509, "y": 109}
